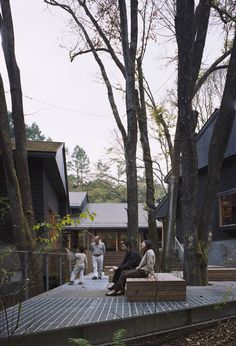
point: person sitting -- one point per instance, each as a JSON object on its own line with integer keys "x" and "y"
{"x": 145, "y": 269}
{"x": 80, "y": 264}
{"x": 130, "y": 261}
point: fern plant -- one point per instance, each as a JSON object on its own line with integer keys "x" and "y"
{"x": 117, "y": 340}
{"x": 80, "y": 341}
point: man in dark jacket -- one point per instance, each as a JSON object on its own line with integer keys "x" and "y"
{"x": 130, "y": 261}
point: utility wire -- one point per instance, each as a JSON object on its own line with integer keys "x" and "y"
{"x": 59, "y": 107}
{"x": 64, "y": 108}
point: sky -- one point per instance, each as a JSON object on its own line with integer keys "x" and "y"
{"x": 66, "y": 99}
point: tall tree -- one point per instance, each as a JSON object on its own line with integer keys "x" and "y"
{"x": 33, "y": 131}
{"x": 191, "y": 30}
{"x": 20, "y": 175}
{"x": 79, "y": 166}
{"x": 218, "y": 145}
{"x": 21, "y": 157}
{"x": 105, "y": 32}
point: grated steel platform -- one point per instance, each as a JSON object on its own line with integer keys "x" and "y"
{"x": 76, "y": 306}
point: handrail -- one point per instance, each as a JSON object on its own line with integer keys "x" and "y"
{"x": 40, "y": 253}
{"x": 179, "y": 250}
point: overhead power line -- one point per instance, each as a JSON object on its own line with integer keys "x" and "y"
{"x": 65, "y": 108}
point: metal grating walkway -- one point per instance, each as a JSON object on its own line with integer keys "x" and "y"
{"x": 70, "y": 306}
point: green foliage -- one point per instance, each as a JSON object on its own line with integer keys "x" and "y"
{"x": 79, "y": 341}
{"x": 42, "y": 229}
{"x": 118, "y": 338}
{"x": 79, "y": 166}
{"x": 4, "y": 207}
{"x": 228, "y": 296}
{"x": 33, "y": 131}
{"x": 101, "y": 191}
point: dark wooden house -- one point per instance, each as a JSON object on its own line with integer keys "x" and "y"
{"x": 223, "y": 248}
{"x": 110, "y": 222}
{"x": 48, "y": 176}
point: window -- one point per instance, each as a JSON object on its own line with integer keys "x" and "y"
{"x": 228, "y": 210}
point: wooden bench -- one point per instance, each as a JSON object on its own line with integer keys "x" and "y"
{"x": 163, "y": 286}
{"x": 221, "y": 274}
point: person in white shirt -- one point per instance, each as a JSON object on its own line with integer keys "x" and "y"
{"x": 145, "y": 268}
{"x": 98, "y": 250}
{"x": 80, "y": 264}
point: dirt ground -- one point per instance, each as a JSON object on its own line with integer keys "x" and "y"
{"x": 218, "y": 333}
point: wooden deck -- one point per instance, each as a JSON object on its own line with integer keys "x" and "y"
{"x": 84, "y": 311}
{"x": 221, "y": 274}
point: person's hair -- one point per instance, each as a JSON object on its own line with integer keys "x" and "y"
{"x": 148, "y": 244}
{"x": 81, "y": 248}
{"x": 127, "y": 243}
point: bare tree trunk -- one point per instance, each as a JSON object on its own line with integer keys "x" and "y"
{"x": 21, "y": 156}
{"x": 129, "y": 53}
{"x": 173, "y": 188}
{"x": 218, "y": 145}
{"x": 191, "y": 28}
{"x": 150, "y": 198}
{"x": 21, "y": 231}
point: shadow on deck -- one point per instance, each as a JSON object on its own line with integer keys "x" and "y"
{"x": 74, "y": 311}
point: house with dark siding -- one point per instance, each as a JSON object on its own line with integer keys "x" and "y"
{"x": 110, "y": 222}
{"x": 48, "y": 177}
{"x": 223, "y": 247}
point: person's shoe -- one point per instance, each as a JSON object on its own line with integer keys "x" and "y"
{"x": 80, "y": 283}
{"x": 111, "y": 288}
{"x": 94, "y": 278}
{"x": 111, "y": 294}
{"x": 71, "y": 283}
{"x": 120, "y": 293}
{"x": 99, "y": 277}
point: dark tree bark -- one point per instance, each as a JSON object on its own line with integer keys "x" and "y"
{"x": 129, "y": 55}
{"x": 191, "y": 29}
{"x": 173, "y": 187}
{"x": 21, "y": 231}
{"x": 21, "y": 157}
{"x": 150, "y": 198}
{"x": 218, "y": 145}
{"x": 128, "y": 70}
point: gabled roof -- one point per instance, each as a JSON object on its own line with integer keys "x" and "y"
{"x": 54, "y": 160}
{"x": 111, "y": 215}
{"x": 41, "y": 146}
{"x": 204, "y": 139}
{"x": 78, "y": 199}
{"x": 203, "y": 143}
{"x": 162, "y": 208}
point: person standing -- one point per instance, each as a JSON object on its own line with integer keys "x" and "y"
{"x": 145, "y": 268}
{"x": 98, "y": 250}
{"x": 80, "y": 264}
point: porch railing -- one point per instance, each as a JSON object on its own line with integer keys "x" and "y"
{"x": 179, "y": 250}
{"x": 42, "y": 271}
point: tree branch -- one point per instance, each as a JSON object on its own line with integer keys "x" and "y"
{"x": 103, "y": 36}
{"x": 73, "y": 56}
{"x": 223, "y": 12}
{"x": 211, "y": 69}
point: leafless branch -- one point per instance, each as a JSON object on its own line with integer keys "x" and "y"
{"x": 211, "y": 69}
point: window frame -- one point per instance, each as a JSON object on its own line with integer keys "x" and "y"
{"x": 220, "y": 195}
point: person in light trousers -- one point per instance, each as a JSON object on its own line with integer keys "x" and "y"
{"x": 80, "y": 265}
{"x": 98, "y": 250}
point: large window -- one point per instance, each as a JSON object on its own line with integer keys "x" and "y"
{"x": 228, "y": 209}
